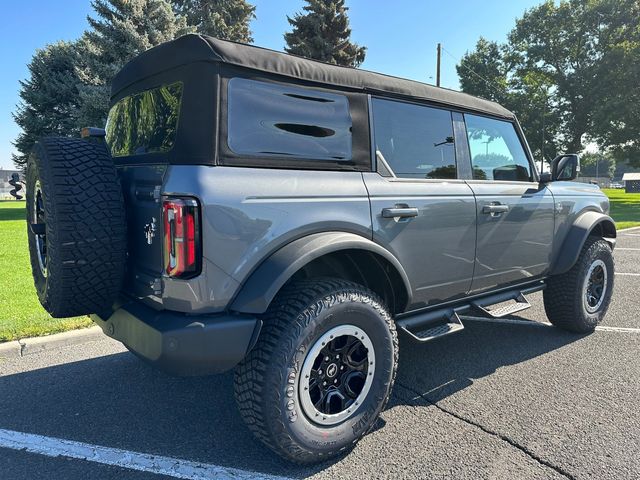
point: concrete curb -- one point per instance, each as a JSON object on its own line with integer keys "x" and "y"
{"x": 628, "y": 229}
{"x": 30, "y": 346}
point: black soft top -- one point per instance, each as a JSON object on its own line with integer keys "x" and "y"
{"x": 199, "y": 48}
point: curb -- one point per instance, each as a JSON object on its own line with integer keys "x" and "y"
{"x": 628, "y": 229}
{"x": 31, "y": 346}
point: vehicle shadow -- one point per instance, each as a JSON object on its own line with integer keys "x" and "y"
{"x": 118, "y": 401}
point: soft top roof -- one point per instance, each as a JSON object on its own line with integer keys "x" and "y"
{"x": 199, "y": 48}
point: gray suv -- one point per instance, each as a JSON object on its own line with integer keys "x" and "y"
{"x": 254, "y": 210}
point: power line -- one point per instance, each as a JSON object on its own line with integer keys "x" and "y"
{"x": 498, "y": 88}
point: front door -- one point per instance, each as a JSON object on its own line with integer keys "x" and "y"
{"x": 421, "y": 211}
{"x": 515, "y": 214}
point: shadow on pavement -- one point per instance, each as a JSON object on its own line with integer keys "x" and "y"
{"x": 120, "y": 402}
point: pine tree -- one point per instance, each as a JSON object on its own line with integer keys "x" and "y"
{"x": 49, "y": 98}
{"x": 225, "y": 19}
{"x": 323, "y": 33}
{"x": 121, "y": 30}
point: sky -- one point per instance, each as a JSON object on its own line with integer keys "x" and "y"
{"x": 400, "y": 36}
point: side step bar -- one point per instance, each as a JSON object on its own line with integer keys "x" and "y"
{"x": 520, "y": 303}
{"x": 426, "y": 326}
{"x": 429, "y": 326}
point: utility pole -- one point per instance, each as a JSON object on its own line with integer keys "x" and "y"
{"x": 438, "y": 65}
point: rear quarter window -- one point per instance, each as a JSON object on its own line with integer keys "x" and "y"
{"x": 274, "y": 120}
{"x": 145, "y": 122}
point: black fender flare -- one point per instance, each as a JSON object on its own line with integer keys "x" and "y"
{"x": 263, "y": 284}
{"x": 581, "y": 229}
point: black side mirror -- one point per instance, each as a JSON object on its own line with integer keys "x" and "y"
{"x": 565, "y": 167}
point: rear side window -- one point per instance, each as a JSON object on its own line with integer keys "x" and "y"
{"x": 496, "y": 151}
{"x": 145, "y": 122}
{"x": 416, "y": 141}
{"x": 267, "y": 119}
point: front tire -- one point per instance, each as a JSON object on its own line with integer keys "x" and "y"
{"x": 321, "y": 372}
{"x": 578, "y": 300}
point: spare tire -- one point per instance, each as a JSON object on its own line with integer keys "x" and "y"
{"x": 76, "y": 226}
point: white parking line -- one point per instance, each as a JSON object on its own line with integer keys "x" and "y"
{"x": 632, "y": 249}
{"x": 532, "y": 323}
{"x": 628, "y": 274}
{"x": 142, "y": 462}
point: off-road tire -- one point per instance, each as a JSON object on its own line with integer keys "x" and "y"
{"x": 85, "y": 226}
{"x": 564, "y": 295}
{"x": 266, "y": 383}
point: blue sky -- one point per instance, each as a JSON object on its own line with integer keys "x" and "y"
{"x": 400, "y": 35}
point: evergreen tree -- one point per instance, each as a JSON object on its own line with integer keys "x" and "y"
{"x": 49, "y": 98}
{"x": 225, "y": 19}
{"x": 121, "y": 30}
{"x": 323, "y": 33}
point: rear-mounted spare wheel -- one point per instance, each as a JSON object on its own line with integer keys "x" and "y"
{"x": 76, "y": 226}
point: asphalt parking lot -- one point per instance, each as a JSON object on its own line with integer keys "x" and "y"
{"x": 515, "y": 399}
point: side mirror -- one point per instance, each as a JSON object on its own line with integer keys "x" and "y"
{"x": 565, "y": 167}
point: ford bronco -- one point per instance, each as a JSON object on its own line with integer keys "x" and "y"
{"x": 248, "y": 209}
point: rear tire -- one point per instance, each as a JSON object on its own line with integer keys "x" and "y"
{"x": 578, "y": 300}
{"x": 75, "y": 226}
{"x": 334, "y": 325}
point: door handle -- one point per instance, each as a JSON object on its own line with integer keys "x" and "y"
{"x": 399, "y": 212}
{"x": 499, "y": 208}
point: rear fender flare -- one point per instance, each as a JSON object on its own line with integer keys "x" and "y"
{"x": 263, "y": 284}
{"x": 584, "y": 225}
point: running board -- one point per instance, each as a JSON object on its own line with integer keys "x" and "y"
{"x": 432, "y": 325}
{"x": 519, "y": 303}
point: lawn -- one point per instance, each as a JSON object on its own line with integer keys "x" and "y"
{"x": 625, "y": 207}
{"x": 21, "y": 315}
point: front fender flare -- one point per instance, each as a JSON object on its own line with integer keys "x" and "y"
{"x": 577, "y": 235}
{"x": 263, "y": 284}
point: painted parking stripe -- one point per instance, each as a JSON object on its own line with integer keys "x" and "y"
{"x": 628, "y": 274}
{"x": 632, "y": 249}
{"x": 142, "y": 462}
{"x": 532, "y": 323}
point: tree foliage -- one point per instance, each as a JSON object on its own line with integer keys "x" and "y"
{"x": 597, "y": 164}
{"x": 49, "y": 99}
{"x": 323, "y": 33}
{"x": 569, "y": 71}
{"x": 225, "y": 19}
{"x": 121, "y": 30}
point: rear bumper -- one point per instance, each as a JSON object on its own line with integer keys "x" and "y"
{"x": 181, "y": 344}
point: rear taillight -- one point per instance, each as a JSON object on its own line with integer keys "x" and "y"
{"x": 182, "y": 252}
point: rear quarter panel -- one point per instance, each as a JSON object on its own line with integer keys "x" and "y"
{"x": 248, "y": 213}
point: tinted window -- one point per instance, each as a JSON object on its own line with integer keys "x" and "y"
{"x": 416, "y": 141}
{"x": 266, "y": 119}
{"x": 496, "y": 150}
{"x": 145, "y": 122}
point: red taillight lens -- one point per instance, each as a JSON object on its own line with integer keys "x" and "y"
{"x": 181, "y": 217}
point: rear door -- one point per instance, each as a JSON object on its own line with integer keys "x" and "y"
{"x": 515, "y": 214}
{"x": 421, "y": 210}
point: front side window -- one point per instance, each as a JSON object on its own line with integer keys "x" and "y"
{"x": 268, "y": 119}
{"x": 416, "y": 141}
{"x": 145, "y": 122}
{"x": 496, "y": 151}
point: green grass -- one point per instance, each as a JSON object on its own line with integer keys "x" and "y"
{"x": 625, "y": 207}
{"x": 21, "y": 315}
